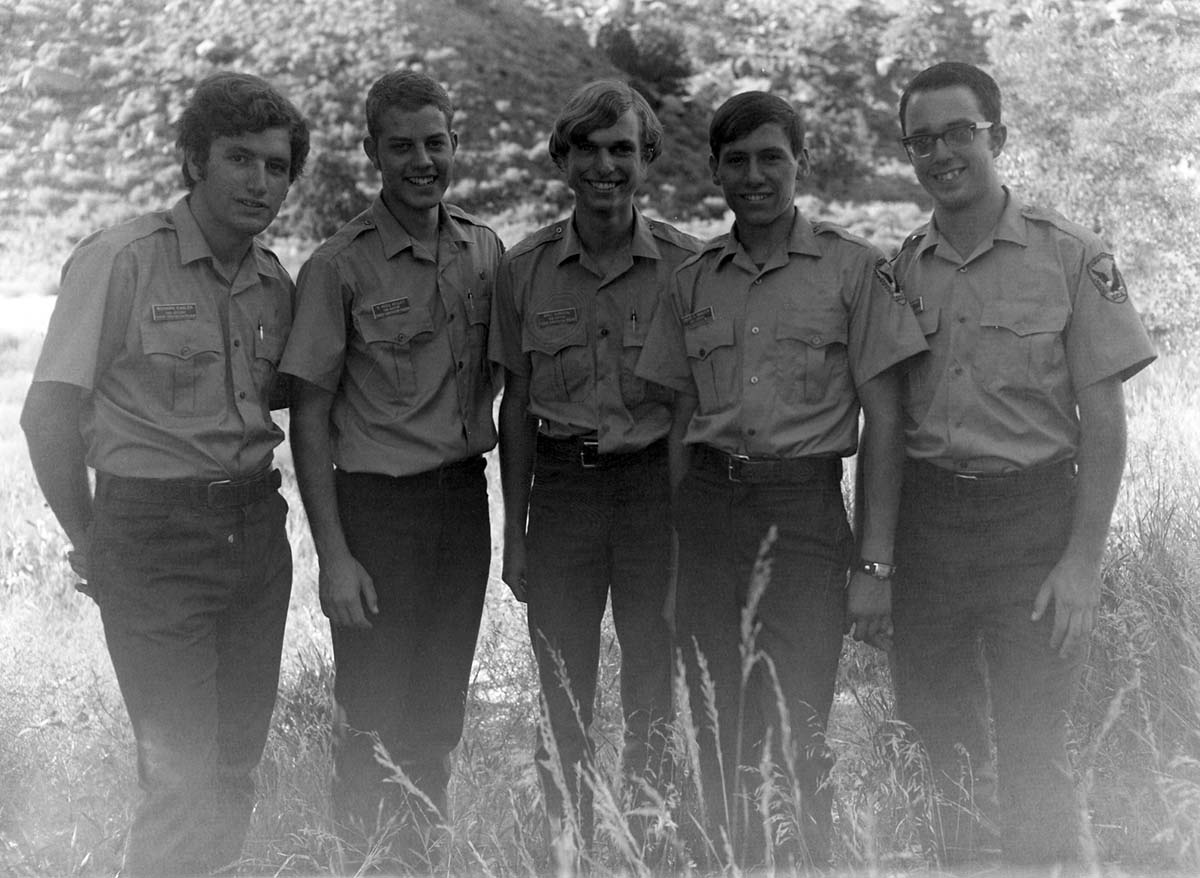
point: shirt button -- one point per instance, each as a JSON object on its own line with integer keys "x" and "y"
{"x": 241, "y": 394}
{"x": 754, "y": 330}
{"x": 701, "y": 352}
{"x": 962, "y": 270}
{"x": 604, "y": 332}
{"x": 185, "y": 350}
{"x": 958, "y": 370}
{"x": 962, "y": 318}
{"x": 751, "y": 432}
{"x": 816, "y": 339}
{"x": 451, "y": 315}
{"x": 237, "y": 343}
{"x": 757, "y": 281}
{"x": 400, "y": 336}
{"x": 460, "y": 365}
{"x": 753, "y": 379}
{"x": 230, "y": 538}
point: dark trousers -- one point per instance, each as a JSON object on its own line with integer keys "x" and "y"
{"x": 194, "y": 602}
{"x": 426, "y": 543}
{"x": 592, "y": 532}
{"x": 721, "y": 527}
{"x": 971, "y": 558}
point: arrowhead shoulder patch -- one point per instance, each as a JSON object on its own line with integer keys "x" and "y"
{"x": 1107, "y": 277}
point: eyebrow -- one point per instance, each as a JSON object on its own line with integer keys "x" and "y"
{"x": 954, "y": 123}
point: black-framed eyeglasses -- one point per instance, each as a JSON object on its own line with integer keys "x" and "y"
{"x": 921, "y": 146}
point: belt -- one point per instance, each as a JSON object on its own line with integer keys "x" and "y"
{"x": 585, "y": 451}
{"x": 181, "y": 492}
{"x": 1016, "y": 481}
{"x": 760, "y": 470}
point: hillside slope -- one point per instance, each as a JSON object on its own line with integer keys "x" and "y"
{"x": 89, "y": 91}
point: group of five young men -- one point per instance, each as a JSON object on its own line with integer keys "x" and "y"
{"x": 671, "y": 411}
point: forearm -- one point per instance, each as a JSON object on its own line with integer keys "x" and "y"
{"x": 50, "y": 421}
{"x": 518, "y": 446}
{"x": 312, "y": 453}
{"x": 1101, "y": 463}
{"x": 881, "y": 459}
{"x": 678, "y": 455}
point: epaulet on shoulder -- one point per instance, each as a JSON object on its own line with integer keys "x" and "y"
{"x": 122, "y": 235}
{"x": 824, "y": 227}
{"x": 539, "y": 238}
{"x": 463, "y": 217}
{"x": 666, "y": 232}
{"x": 1046, "y": 215}
{"x": 914, "y": 239}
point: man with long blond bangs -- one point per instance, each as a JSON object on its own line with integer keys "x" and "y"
{"x": 391, "y": 419}
{"x": 583, "y": 449}
{"x": 1015, "y": 441}
{"x": 158, "y": 371}
{"x": 774, "y": 337}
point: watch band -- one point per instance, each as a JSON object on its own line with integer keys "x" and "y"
{"x": 877, "y": 569}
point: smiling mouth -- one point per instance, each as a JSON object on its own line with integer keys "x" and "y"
{"x": 252, "y": 204}
{"x": 755, "y": 197}
{"x": 603, "y": 185}
{"x": 422, "y": 181}
{"x": 948, "y": 176}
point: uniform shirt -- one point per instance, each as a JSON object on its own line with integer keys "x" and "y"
{"x": 577, "y": 334}
{"x": 1037, "y": 313}
{"x": 774, "y": 353}
{"x": 178, "y": 362}
{"x": 399, "y": 335}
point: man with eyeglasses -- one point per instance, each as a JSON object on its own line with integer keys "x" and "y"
{"x": 1015, "y": 439}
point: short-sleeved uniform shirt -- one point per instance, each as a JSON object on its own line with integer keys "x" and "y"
{"x": 399, "y": 335}
{"x": 774, "y": 353}
{"x": 178, "y": 362}
{"x": 576, "y": 333}
{"x": 1038, "y": 312}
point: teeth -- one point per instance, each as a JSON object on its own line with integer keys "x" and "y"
{"x": 756, "y": 196}
{"x": 949, "y": 176}
{"x": 421, "y": 181}
{"x": 603, "y": 185}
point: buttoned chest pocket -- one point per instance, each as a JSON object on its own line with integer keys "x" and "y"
{"x": 394, "y": 345}
{"x": 560, "y": 361}
{"x": 634, "y": 390}
{"x": 185, "y": 367}
{"x": 810, "y": 357}
{"x": 1020, "y": 346}
{"x": 712, "y": 357}
{"x": 268, "y": 349}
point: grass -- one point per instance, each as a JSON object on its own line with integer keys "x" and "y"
{"x": 67, "y": 778}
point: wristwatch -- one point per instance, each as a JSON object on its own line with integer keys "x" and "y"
{"x": 882, "y": 572}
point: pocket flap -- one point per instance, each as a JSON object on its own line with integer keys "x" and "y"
{"x": 1024, "y": 318}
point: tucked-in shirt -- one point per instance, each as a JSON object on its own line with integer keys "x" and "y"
{"x": 399, "y": 335}
{"x": 1038, "y": 312}
{"x": 178, "y": 362}
{"x": 576, "y": 332}
{"x": 774, "y": 353}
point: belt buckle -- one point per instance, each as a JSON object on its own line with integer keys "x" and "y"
{"x": 734, "y": 464}
{"x": 214, "y": 490}
{"x": 589, "y": 453}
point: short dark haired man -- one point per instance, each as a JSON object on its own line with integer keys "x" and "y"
{"x": 591, "y": 516}
{"x": 156, "y": 372}
{"x": 773, "y": 337}
{"x": 1015, "y": 436}
{"x": 392, "y": 416}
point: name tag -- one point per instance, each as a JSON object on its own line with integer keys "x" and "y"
{"x": 698, "y": 318}
{"x": 179, "y": 311}
{"x": 557, "y": 318}
{"x": 390, "y": 308}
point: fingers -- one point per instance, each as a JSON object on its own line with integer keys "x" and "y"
{"x": 1041, "y": 601}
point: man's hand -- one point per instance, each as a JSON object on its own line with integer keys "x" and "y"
{"x": 346, "y": 588}
{"x": 869, "y": 610}
{"x": 513, "y": 572}
{"x": 1075, "y": 587}
{"x": 78, "y": 558}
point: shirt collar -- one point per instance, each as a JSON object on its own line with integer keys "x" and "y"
{"x": 643, "y": 243}
{"x": 1009, "y": 227}
{"x": 194, "y": 246}
{"x": 801, "y": 240}
{"x": 396, "y": 238}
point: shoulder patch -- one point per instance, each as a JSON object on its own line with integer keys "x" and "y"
{"x": 1107, "y": 277}
{"x": 887, "y": 280}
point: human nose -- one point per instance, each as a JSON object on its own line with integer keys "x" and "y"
{"x": 754, "y": 171}
{"x": 420, "y": 155}
{"x": 257, "y": 175}
{"x": 604, "y": 160}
